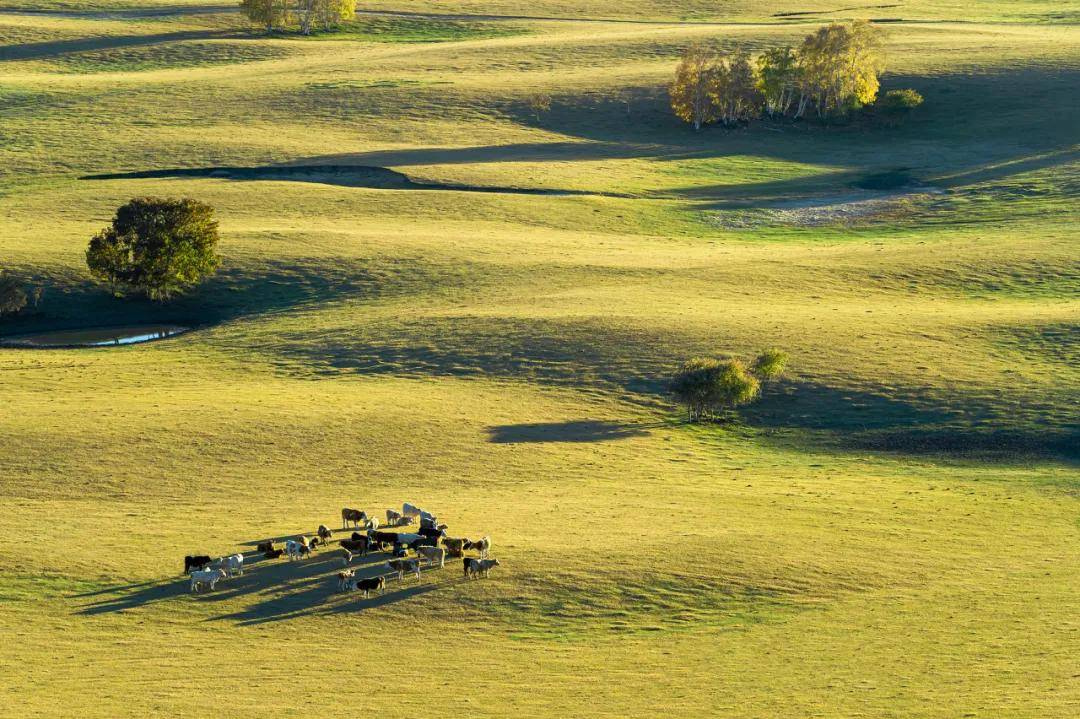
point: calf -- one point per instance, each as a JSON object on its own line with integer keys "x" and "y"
{"x": 432, "y": 555}
{"x": 195, "y": 561}
{"x": 296, "y": 549}
{"x": 344, "y": 577}
{"x": 479, "y": 567}
{"x": 273, "y": 553}
{"x": 264, "y": 547}
{"x": 206, "y": 576}
{"x": 404, "y": 565}
{"x": 394, "y": 517}
{"x": 315, "y": 542}
{"x": 324, "y": 533}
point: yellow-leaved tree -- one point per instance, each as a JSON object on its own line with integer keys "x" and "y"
{"x": 839, "y": 67}
{"x": 691, "y": 99}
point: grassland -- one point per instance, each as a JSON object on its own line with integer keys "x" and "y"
{"x": 891, "y": 532}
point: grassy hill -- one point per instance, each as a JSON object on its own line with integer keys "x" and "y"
{"x": 430, "y": 294}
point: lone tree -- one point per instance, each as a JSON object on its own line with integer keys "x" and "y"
{"x": 711, "y": 388}
{"x": 156, "y": 246}
{"x": 538, "y": 102}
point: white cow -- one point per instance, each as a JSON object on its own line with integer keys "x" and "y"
{"x": 480, "y": 567}
{"x": 433, "y": 555}
{"x": 233, "y": 564}
{"x": 206, "y": 576}
{"x": 411, "y": 510}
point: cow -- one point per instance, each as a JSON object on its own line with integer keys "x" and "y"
{"x": 367, "y": 585}
{"x": 382, "y": 537}
{"x": 264, "y": 547}
{"x": 407, "y": 538}
{"x": 296, "y": 549}
{"x": 400, "y": 566}
{"x": 395, "y": 518}
{"x": 479, "y": 567}
{"x": 324, "y": 533}
{"x": 346, "y": 557}
{"x": 433, "y": 555}
{"x": 357, "y": 535}
{"x": 411, "y": 510}
{"x": 480, "y": 545}
{"x": 358, "y": 546}
{"x": 455, "y": 546}
{"x": 433, "y": 533}
{"x": 273, "y": 553}
{"x": 355, "y": 516}
{"x": 209, "y": 577}
{"x": 344, "y": 577}
{"x": 233, "y": 564}
{"x": 195, "y": 561}
{"x": 314, "y": 542}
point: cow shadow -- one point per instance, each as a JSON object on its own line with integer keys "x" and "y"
{"x": 277, "y": 589}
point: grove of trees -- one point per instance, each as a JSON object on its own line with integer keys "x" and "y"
{"x": 302, "y": 15}
{"x": 709, "y": 388}
{"x": 156, "y": 246}
{"x": 831, "y": 73}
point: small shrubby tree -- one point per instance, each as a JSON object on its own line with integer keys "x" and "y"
{"x": 156, "y": 246}
{"x": 895, "y": 106}
{"x": 269, "y": 14}
{"x": 538, "y": 102}
{"x": 711, "y": 388}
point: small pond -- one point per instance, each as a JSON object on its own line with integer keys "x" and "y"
{"x": 96, "y": 337}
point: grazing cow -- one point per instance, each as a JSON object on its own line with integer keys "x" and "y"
{"x": 195, "y": 561}
{"x": 324, "y": 533}
{"x": 273, "y": 553}
{"x": 209, "y": 577}
{"x": 455, "y": 546}
{"x": 355, "y": 516}
{"x": 367, "y": 585}
{"x": 359, "y": 546}
{"x": 433, "y": 555}
{"x": 370, "y": 523}
{"x": 479, "y": 567}
{"x": 264, "y": 547}
{"x": 296, "y": 549}
{"x": 404, "y": 565}
{"x": 233, "y": 564}
{"x": 394, "y": 517}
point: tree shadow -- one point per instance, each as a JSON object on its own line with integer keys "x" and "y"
{"x": 157, "y": 11}
{"x": 54, "y": 48}
{"x": 360, "y": 176}
{"x": 72, "y": 300}
{"x": 583, "y": 430}
{"x": 910, "y": 422}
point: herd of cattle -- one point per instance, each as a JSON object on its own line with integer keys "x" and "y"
{"x": 367, "y": 537}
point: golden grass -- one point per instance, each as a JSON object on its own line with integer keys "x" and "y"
{"x": 890, "y": 532}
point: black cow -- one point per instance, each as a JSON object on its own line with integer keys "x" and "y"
{"x": 356, "y": 546}
{"x": 273, "y": 553}
{"x": 197, "y": 561}
{"x": 368, "y": 585}
{"x": 264, "y": 547}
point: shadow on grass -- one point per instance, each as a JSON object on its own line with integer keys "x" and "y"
{"x": 954, "y": 425}
{"x": 55, "y": 48}
{"x": 278, "y": 589}
{"x": 72, "y": 300}
{"x": 365, "y": 176}
{"x": 584, "y": 430}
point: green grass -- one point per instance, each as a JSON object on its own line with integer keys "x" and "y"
{"x": 890, "y": 532}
